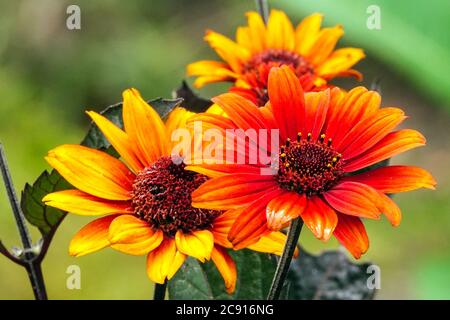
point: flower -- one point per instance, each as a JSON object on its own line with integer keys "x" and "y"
{"x": 307, "y": 49}
{"x": 326, "y": 139}
{"x": 144, "y": 201}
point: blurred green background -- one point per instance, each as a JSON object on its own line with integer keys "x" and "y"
{"x": 49, "y": 75}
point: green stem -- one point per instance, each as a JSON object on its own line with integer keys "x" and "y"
{"x": 263, "y": 9}
{"x": 31, "y": 264}
{"x": 160, "y": 291}
{"x": 285, "y": 259}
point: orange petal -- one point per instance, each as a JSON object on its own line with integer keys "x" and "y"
{"x": 164, "y": 261}
{"x": 271, "y": 243}
{"x": 92, "y": 171}
{"x": 389, "y": 209}
{"x": 287, "y": 101}
{"x": 324, "y": 45}
{"x": 222, "y": 225}
{"x": 79, "y": 202}
{"x": 320, "y": 218}
{"x": 226, "y": 267}
{"x": 394, "y": 143}
{"x": 351, "y": 233}
{"x": 144, "y": 127}
{"x": 340, "y": 61}
{"x": 197, "y": 244}
{"x": 251, "y": 222}
{"x": 394, "y": 179}
{"x": 353, "y": 198}
{"x": 316, "y": 106}
{"x": 356, "y": 106}
{"x": 307, "y": 32}
{"x": 231, "y": 191}
{"x": 282, "y": 209}
{"x": 369, "y": 131}
{"x": 234, "y": 54}
{"x": 280, "y": 32}
{"x": 92, "y": 237}
{"x": 118, "y": 139}
{"x": 220, "y": 170}
{"x": 132, "y": 235}
{"x": 241, "y": 111}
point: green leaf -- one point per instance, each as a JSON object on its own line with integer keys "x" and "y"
{"x": 191, "y": 100}
{"x": 45, "y": 218}
{"x": 95, "y": 138}
{"x": 329, "y": 276}
{"x": 255, "y": 272}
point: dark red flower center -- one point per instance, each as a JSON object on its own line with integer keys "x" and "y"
{"x": 256, "y": 70}
{"x": 309, "y": 167}
{"x": 162, "y": 197}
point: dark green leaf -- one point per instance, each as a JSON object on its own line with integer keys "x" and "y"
{"x": 191, "y": 101}
{"x": 95, "y": 138}
{"x": 190, "y": 283}
{"x": 203, "y": 281}
{"x": 43, "y": 217}
{"x": 329, "y": 276}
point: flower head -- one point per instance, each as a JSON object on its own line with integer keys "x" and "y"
{"x": 144, "y": 197}
{"x": 326, "y": 139}
{"x": 307, "y": 49}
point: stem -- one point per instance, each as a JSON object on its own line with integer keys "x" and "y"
{"x": 31, "y": 265}
{"x": 160, "y": 291}
{"x": 263, "y": 9}
{"x": 285, "y": 260}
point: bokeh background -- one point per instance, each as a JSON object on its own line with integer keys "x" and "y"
{"x": 49, "y": 75}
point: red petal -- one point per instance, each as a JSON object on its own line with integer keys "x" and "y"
{"x": 395, "y": 179}
{"x": 354, "y": 198}
{"x": 351, "y": 233}
{"x": 391, "y": 145}
{"x": 320, "y": 218}
{"x": 316, "y": 111}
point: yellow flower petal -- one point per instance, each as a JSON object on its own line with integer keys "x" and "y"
{"x": 118, "y": 139}
{"x": 144, "y": 127}
{"x": 79, "y": 202}
{"x": 226, "y": 267}
{"x": 164, "y": 261}
{"x": 197, "y": 244}
{"x": 271, "y": 243}
{"x": 92, "y": 171}
{"x": 307, "y": 32}
{"x": 324, "y": 45}
{"x": 92, "y": 237}
{"x": 280, "y": 32}
{"x": 340, "y": 61}
{"x": 132, "y": 235}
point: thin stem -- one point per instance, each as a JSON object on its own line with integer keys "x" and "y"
{"x": 263, "y": 9}
{"x": 285, "y": 260}
{"x": 160, "y": 291}
{"x": 31, "y": 265}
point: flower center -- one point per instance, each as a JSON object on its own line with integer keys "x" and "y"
{"x": 256, "y": 70}
{"x": 309, "y": 167}
{"x": 162, "y": 197}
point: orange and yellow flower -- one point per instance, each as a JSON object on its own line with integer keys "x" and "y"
{"x": 144, "y": 200}
{"x": 307, "y": 49}
{"x": 326, "y": 138}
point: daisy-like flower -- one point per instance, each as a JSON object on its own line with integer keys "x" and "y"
{"x": 144, "y": 200}
{"x": 326, "y": 139}
{"x": 307, "y": 49}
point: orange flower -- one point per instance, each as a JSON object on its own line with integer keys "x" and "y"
{"x": 326, "y": 138}
{"x": 145, "y": 201}
{"x": 307, "y": 49}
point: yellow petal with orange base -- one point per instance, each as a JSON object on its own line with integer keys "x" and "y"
{"x": 271, "y": 243}
{"x": 92, "y": 171}
{"x": 92, "y": 237}
{"x": 132, "y": 235}
{"x": 82, "y": 203}
{"x": 164, "y": 261}
{"x": 226, "y": 267}
{"x": 197, "y": 244}
{"x": 145, "y": 127}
